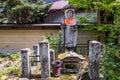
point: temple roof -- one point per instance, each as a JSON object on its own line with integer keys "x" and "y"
{"x": 59, "y": 4}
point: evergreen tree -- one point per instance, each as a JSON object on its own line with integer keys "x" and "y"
{"x": 24, "y": 11}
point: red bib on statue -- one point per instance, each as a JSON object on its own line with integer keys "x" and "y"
{"x": 70, "y": 21}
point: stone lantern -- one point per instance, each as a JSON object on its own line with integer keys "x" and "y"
{"x": 71, "y": 62}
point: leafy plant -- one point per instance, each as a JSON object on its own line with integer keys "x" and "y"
{"x": 81, "y": 3}
{"x": 9, "y": 70}
{"x": 16, "y": 71}
{"x": 82, "y": 20}
{"x": 111, "y": 58}
{"x": 54, "y": 40}
{"x": 14, "y": 56}
{"x": 111, "y": 63}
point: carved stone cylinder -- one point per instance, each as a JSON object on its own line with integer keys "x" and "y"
{"x": 25, "y": 62}
{"x": 45, "y": 59}
{"x": 95, "y": 50}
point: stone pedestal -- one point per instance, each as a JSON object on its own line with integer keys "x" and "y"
{"x": 52, "y": 55}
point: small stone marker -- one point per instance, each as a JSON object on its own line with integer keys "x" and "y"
{"x": 36, "y": 54}
{"x": 95, "y": 50}
{"x": 25, "y": 62}
{"x": 52, "y": 55}
{"x": 45, "y": 59}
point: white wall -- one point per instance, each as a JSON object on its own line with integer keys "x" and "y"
{"x": 14, "y": 40}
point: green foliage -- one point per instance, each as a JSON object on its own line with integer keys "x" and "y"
{"x": 82, "y": 20}
{"x": 65, "y": 77}
{"x": 53, "y": 40}
{"x": 24, "y": 11}
{"x": 111, "y": 58}
{"x": 111, "y": 63}
{"x": 81, "y": 3}
{"x": 106, "y": 5}
{"x": 108, "y": 8}
{"x": 79, "y": 50}
{"x": 1, "y": 59}
{"x": 14, "y": 56}
{"x": 16, "y": 71}
{"x": 12, "y": 69}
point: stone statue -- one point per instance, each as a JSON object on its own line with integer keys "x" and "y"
{"x": 69, "y": 30}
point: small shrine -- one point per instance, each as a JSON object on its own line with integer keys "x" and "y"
{"x": 71, "y": 62}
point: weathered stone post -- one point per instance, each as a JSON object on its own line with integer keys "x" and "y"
{"x": 36, "y": 54}
{"x": 25, "y": 62}
{"x": 45, "y": 59}
{"x": 95, "y": 50}
{"x": 52, "y": 55}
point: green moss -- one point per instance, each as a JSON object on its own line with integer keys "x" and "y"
{"x": 65, "y": 77}
{"x": 63, "y": 55}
